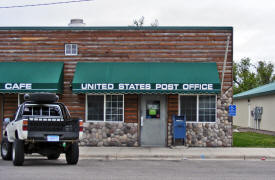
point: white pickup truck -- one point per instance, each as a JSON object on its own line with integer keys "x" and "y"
{"x": 41, "y": 125}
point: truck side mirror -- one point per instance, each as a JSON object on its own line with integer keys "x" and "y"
{"x": 6, "y": 121}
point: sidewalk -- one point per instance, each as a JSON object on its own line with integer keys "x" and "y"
{"x": 174, "y": 153}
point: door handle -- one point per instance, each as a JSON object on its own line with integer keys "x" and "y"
{"x": 141, "y": 121}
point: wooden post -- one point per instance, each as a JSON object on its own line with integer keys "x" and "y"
{"x": 224, "y": 62}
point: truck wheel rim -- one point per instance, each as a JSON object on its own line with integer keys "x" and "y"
{"x": 5, "y": 149}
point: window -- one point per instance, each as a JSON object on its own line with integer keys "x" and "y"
{"x": 55, "y": 111}
{"x": 105, "y": 108}
{"x": 188, "y": 105}
{"x": 153, "y": 109}
{"x": 71, "y": 49}
{"x": 96, "y": 108}
{"x": 38, "y": 110}
{"x": 114, "y": 108}
{"x": 198, "y": 108}
{"x": 207, "y": 108}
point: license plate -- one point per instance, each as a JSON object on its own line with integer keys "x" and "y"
{"x": 52, "y": 138}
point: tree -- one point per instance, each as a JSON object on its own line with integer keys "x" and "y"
{"x": 247, "y": 76}
{"x": 155, "y": 23}
{"x": 244, "y": 78}
{"x": 265, "y": 73}
{"x": 140, "y": 22}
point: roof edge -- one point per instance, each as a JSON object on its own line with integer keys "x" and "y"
{"x": 142, "y": 62}
{"x": 98, "y": 28}
{"x": 255, "y": 95}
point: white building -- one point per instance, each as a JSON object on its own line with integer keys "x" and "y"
{"x": 256, "y": 108}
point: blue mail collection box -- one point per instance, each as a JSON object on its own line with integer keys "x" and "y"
{"x": 179, "y": 127}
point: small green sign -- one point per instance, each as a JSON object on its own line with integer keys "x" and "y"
{"x": 152, "y": 112}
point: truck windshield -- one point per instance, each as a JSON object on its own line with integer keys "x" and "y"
{"x": 42, "y": 110}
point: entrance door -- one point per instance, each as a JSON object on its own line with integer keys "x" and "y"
{"x": 153, "y": 120}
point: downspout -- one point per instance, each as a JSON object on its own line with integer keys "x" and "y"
{"x": 224, "y": 62}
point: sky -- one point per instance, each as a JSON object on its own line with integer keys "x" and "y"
{"x": 253, "y": 20}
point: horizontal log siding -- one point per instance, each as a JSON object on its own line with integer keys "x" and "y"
{"x": 10, "y": 102}
{"x": 113, "y": 46}
{"x": 131, "y": 108}
{"x": 172, "y": 106}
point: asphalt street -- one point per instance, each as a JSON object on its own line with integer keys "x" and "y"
{"x": 42, "y": 169}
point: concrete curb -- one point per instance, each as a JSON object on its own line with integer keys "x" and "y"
{"x": 183, "y": 157}
{"x": 140, "y": 153}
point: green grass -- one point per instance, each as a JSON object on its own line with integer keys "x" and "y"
{"x": 251, "y": 139}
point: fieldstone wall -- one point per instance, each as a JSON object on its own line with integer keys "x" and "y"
{"x": 209, "y": 135}
{"x": 217, "y": 134}
{"x": 110, "y": 134}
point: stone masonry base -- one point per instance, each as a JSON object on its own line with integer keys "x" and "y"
{"x": 217, "y": 134}
{"x": 110, "y": 134}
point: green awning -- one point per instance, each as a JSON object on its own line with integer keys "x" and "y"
{"x": 146, "y": 77}
{"x": 17, "y": 77}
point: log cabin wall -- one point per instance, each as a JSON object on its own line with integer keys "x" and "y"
{"x": 114, "y": 44}
{"x": 131, "y": 108}
{"x": 10, "y": 103}
{"x": 172, "y": 106}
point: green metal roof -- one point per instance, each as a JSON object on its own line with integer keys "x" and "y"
{"x": 259, "y": 91}
{"x": 117, "y": 28}
{"x": 147, "y": 77}
{"x": 16, "y": 77}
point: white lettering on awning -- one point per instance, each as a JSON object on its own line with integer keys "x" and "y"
{"x": 122, "y": 86}
{"x": 197, "y": 86}
{"x": 18, "y": 86}
{"x": 98, "y": 86}
{"x": 126, "y": 86}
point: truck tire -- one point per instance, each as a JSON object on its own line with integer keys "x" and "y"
{"x": 72, "y": 154}
{"x": 18, "y": 152}
{"x": 54, "y": 156}
{"x": 6, "y": 149}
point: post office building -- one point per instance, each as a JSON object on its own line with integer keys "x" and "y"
{"x": 126, "y": 83}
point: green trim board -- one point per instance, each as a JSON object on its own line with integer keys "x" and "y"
{"x": 21, "y": 77}
{"x": 111, "y": 28}
{"x": 259, "y": 91}
{"x": 146, "y": 77}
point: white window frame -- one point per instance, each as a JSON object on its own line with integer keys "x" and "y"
{"x": 104, "y": 110}
{"x": 71, "y": 45}
{"x": 197, "y": 96}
